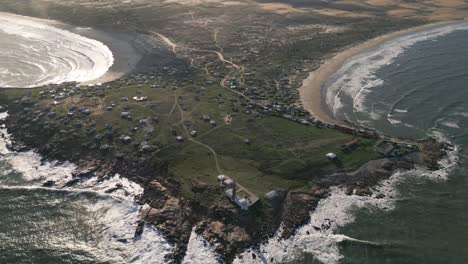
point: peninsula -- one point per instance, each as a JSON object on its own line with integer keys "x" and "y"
{"x": 215, "y": 109}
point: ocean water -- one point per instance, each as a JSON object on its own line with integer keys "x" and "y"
{"x": 413, "y": 86}
{"x": 34, "y": 53}
{"x": 80, "y": 224}
{"x": 423, "y": 91}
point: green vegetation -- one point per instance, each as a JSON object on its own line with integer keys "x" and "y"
{"x": 262, "y": 152}
{"x": 266, "y": 56}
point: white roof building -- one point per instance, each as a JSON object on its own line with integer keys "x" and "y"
{"x": 221, "y": 177}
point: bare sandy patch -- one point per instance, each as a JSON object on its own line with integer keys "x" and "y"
{"x": 445, "y": 14}
{"x": 450, "y": 3}
{"x": 323, "y": 28}
{"x": 280, "y": 8}
{"x": 352, "y": 2}
{"x": 341, "y": 13}
{"x": 382, "y": 2}
{"x": 402, "y": 13}
{"x": 414, "y": 6}
{"x": 234, "y": 3}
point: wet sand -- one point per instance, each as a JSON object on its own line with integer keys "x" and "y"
{"x": 123, "y": 47}
{"x": 312, "y": 91}
{"x": 126, "y": 51}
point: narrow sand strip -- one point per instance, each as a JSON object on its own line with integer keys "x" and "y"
{"x": 123, "y": 48}
{"x": 312, "y": 90}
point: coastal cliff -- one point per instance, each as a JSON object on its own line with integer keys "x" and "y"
{"x": 214, "y": 216}
{"x": 215, "y": 103}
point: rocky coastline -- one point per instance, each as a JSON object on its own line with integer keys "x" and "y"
{"x": 213, "y": 215}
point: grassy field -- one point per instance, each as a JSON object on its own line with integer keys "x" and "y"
{"x": 264, "y": 45}
{"x": 280, "y": 154}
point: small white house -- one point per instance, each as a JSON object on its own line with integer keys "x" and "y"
{"x": 331, "y": 156}
{"x": 221, "y": 177}
{"x": 140, "y": 99}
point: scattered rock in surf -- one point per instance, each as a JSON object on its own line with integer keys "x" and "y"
{"x": 72, "y": 183}
{"x": 48, "y": 184}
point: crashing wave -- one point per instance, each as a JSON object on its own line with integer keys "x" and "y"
{"x": 116, "y": 211}
{"x": 319, "y": 236}
{"x": 35, "y": 53}
{"x": 357, "y": 77}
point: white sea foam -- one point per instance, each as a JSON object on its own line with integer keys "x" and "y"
{"x": 464, "y": 114}
{"x": 319, "y": 237}
{"x": 451, "y": 124}
{"x": 357, "y": 77}
{"x": 400, "y": 110}
{"x": 392, "y": 120}
{"x": 200, "y": 251}
{"x": 32, "y": 169}
{"x": 116, "y": 214}
{"x": 127, "y": 187}
{"x": 5, "y": 138}
{"x": 35, "y": 53}
{"x": 119, "y": 219}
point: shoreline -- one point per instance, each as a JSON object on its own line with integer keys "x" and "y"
{"x": 311, "y": 94}
{"x": 117, "y": 200}
{"x": 298, "y": 204}
{"x": 125, "y": 51}
{"x": 126, "y": 55}
{"x": 176, "y": 204}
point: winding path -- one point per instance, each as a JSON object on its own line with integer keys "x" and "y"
{"x": 190, "y": 138}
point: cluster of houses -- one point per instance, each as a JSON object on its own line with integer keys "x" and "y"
{"x": 59, "y": 92}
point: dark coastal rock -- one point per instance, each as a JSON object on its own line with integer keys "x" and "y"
{"x": 433, "y": 152}
{"x": 86, "y": 168}
{"x": 296, "y": 210}
{"x": 48, "y": 184}
{"x": 71, "y": 183}
{"x": 215, "y": 217}
{"x": 139, "y": 230}
{"x": 115, "y": 188}
{"x": 231, "y": 239}
{"x": 122, "y": 240}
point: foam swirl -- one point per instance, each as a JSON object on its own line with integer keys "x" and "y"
{"x": 36, "y": 53}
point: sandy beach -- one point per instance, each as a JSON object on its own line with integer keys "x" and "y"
{"x": 126, "y": 53}
{"x": 126, "y": 50}
{"x": 311, "y": 91}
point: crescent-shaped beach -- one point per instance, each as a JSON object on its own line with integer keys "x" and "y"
{"x": 39, "y": 52}
{"x": 312, "y": 91}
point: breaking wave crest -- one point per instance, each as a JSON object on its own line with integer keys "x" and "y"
{"x": 35, "y": 53}
{"x": 319, "y": 236}
{"x": 357, "y": 77}
{"x": 114, "y": 214}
